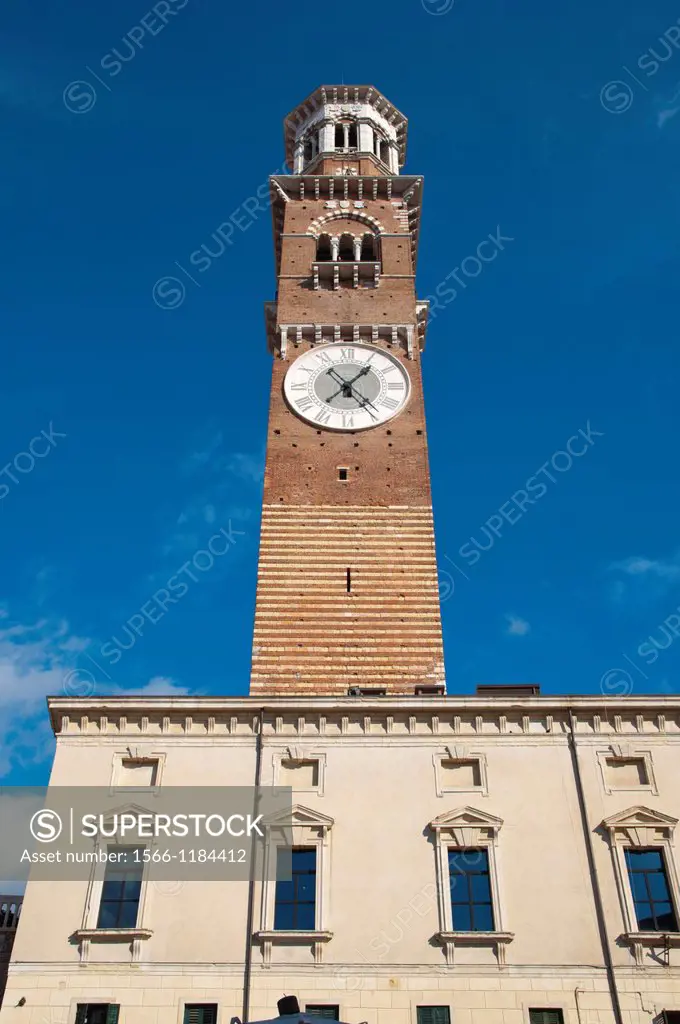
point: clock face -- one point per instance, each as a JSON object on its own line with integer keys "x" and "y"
{"x": 346, "y": 387}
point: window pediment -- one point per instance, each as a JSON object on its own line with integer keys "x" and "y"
{"x": 300, "y": 816}
{"x": 467, "y": 826}
{"x": 640, "y": 826}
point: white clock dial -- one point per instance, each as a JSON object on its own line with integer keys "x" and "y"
{"x": 346, "y": 387}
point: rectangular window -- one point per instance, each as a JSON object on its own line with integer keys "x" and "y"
{"x": 471, "y": 908}
{"x": 461, "y": 774}
{"x": 299, "y": 774}
{"x": 323, "y": 1010}
{"x": 626, "y": 772}
{"x": 546, "y": 1017}
{"x": 343, "y": 473}
{"x": 433, "y": 1015}
{"x": 97, "y": 1013}
{"x": 295, "y": 900}
{"x": 121, "y": 890}
{"x": 651, "y": 893}
{"x": 137, "y": 773}
{"x": 200, "y": 1013}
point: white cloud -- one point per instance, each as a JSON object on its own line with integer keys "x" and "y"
{"x": 668, "y": 111}
{"x": 516, "y": 626}
{"x": 637, "y": 566}
{"x": 159, "y": 686}
{"x": 35, "y": 662}
{"x": 666, "y": 115}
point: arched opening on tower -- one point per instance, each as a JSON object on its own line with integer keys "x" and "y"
{"x": 384, "y": 151}
{"x": 346, "y": 248}
{"x": 353, "y": 137}
{"x": 339, "y": 136}
{"x": 368, "y": 248}
{"x": 323, "y": 248}
{"x": 308, "y": 150}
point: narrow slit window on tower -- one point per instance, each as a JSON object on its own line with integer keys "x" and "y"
{"x": 349, "y": 581}
{"x": 339, "y": 136}
{"x": 353, "y": 141}
{"x": 343, "y": 473}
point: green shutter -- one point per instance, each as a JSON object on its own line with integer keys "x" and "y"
{"x": 81, "y": 1013}
{"x": 545, "y": 1016}
{"x": 200, "y": 1013}
{"x": 433, "y": 1015}
{"x": 112, "y": 1011}
{"x": 326, "y": 1011}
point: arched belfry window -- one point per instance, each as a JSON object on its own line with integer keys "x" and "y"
{"x": 323, "y": 248}
{"x": 346, "y": 135}
{"x": 368, "y": 248}
{"x": 346, "y": 248}
{"x": 310, "y": 147}
{"x": 384, "y": 151}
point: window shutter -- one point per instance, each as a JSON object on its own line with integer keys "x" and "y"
{"x": 81, "y": 1013}
{"x": 200, "y": 1014}
{"x": 433, "y": 1015}
{"x": 545, "y": 1016}
{"x": 112, "y": 1013}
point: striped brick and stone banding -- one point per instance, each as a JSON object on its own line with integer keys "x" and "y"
{"x": 347, "y": 596}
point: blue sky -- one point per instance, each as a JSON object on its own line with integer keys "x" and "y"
{"x": 556, "y": 126}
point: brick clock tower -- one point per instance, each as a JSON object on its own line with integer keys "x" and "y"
{"x": 347, "y": 595}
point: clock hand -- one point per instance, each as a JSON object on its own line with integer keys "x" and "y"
{"x": 338, "y": 378}
{"x": 365, "y": 403}
{"x": 361, "y": 373}
{"x": 347, "y": 384}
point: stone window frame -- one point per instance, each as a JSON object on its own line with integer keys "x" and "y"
{"x": 468, "y": 828}
{"x": 88, "y": 931}
{"x": 142, "y": 756}
{"x": 459, "y": 753}
{"x": 627, "y": 753}
{"x": 299, "y": 754}
{"x": 194, "y": 1001}
{"x": 635, "y": 828}
{"x": 298, "y": 827}
{"x": 527, "y": 1005}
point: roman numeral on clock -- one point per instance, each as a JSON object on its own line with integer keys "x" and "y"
{"x": 323, "y": 357}
{"x": 347, "y": 420}
{"x": 298, "y": 387}
{"x": 304, "y": 403}
{"x": 396, "y": 385}
{"x": 389, "y": 403}
{"x": 322, "y": 416}
{"x": 346, "y": 355}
